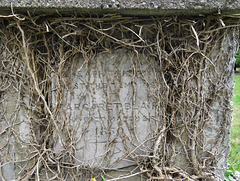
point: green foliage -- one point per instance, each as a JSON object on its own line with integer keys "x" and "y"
{"x": 234, "y": 157}
{"x": 229, "y": 174}
{"x": 236, "y": 97}
{"x": 238, "y": 58}
{"x": 236, "y": 89}
{"x": 103, "y": 178}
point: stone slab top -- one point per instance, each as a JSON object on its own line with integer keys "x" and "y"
{"x": 125, "y": 7}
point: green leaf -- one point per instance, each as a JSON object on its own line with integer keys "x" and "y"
{"x": 103, "y": 178}
{"x": 231, "y": 168}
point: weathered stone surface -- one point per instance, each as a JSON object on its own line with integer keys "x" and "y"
{"x": 147, "y": 4}
{"x": 7, "y": 109}
{"x": 13, "y": 147}
{"x": 111, "y": 105}
{"x": 227, "y": 47}
{"x": 135, "y": 7}
{"x": 104, "y": 104}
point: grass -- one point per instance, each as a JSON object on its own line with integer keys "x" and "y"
{"x": 234, "y": 157}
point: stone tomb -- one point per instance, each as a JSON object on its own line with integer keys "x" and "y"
{"x": 110, "y": 108}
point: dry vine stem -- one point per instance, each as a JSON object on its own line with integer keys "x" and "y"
{"x": 190, "y": 83}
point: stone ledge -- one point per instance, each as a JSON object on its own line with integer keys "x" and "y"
{"x": 125, "y": 7}
{"x": 123, "y": 4}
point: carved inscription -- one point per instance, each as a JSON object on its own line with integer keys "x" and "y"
{"x": 111, "y": 104}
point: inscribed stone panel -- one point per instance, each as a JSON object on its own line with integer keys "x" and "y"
{"x": 111, "y": 107}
